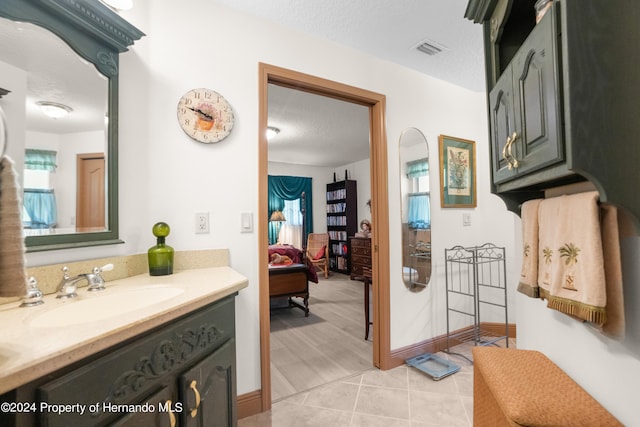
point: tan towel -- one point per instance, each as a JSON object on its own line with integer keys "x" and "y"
{"x": 12, "y": 272}
{"x": 571, "y": 274}
{"x": 614, "y": 325}
{"x": 528, "y": 284}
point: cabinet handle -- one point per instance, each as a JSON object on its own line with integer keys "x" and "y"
{"x": 515, "y": 163}
{"x": 193, "y": 386}
{"x": 172, "y": 416}
{"x": 504, "y": 151}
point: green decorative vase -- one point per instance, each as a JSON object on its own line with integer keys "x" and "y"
{"x": 161, "y": 255}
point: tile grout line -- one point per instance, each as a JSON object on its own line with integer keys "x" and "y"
{"x": 409, "y": 396}
{"x": 355, "y": 403}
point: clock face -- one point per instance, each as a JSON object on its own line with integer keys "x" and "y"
{"x": 205, "y": 115}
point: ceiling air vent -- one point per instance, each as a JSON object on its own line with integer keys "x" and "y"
{"x": 430, "y": 47}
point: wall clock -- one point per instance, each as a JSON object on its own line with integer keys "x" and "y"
{"x": 205, "y": 115}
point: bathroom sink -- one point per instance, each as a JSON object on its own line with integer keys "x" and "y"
{"x": 104, "y": 305}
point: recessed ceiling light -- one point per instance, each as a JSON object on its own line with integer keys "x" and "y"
{"x": 54, "y": 109}
{"x": 271, "y": 132}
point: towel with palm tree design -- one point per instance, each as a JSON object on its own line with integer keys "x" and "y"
{"x": 571, "y": 274}
{"x": 528, "y": 283}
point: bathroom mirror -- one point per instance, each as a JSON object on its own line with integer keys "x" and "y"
{"x": 416, "y": 209}
{"x": 65, "y": 53}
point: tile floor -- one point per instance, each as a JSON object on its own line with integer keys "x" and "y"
{"x": 400, "y": 397}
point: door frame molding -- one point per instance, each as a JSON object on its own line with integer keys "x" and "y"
{"x": 379, "y": 208}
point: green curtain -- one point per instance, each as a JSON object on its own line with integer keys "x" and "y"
{"x": 283, "y": 188}
{"x": 44, "y": 160}
{"x": 417, "y": 168}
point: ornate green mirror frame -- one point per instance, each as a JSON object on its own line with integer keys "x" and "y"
{"x": 99, "y": 35}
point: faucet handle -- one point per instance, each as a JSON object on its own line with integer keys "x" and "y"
{"x": 34, "y": 295}
{"x": 96, "y": 281}
{"x": 106, "y": 267}
{"x": 65, "y": 272}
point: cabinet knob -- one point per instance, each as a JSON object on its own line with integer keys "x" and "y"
{"x": 193, "y": 386}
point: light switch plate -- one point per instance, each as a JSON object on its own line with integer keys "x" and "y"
{"x": 246, "y": 222}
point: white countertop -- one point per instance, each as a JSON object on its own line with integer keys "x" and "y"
{"x": 35, "y": 341}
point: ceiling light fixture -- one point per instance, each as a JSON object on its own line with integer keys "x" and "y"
{"x": 53, "y": 109}
{"x": 119, "y": 4}
{"x": 431, "y": 47}
{"x": 271, "y": 132}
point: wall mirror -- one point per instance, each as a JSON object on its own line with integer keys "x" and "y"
{"x": 66, "y": 54}
{"x": 416, "y": 209}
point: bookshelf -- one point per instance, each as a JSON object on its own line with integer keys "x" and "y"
{"x": 342, "y": 223}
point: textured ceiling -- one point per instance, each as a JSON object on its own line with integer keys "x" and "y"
{"x": 316, "y": 130}
{"x": 314, "y": 133}
{"x": 388, "y": 29}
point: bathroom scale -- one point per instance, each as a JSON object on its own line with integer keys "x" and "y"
{"x": 434, "y": 366}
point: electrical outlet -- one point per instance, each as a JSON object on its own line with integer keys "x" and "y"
{"x": 202, "y": 222}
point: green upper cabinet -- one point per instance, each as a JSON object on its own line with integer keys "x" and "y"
{"x": 562, "y": 97}
{"x": 525, "y": 122}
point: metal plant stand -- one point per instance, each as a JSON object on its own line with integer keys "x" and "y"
{"x": 476, "y": 296}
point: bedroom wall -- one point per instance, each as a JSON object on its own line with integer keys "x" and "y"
{"x": 321, "y": 176}
{"x": 361, "y": 173}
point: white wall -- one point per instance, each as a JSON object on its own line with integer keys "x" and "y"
{"x": 166, "y": 176}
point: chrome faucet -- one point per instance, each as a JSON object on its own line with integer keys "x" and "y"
{"x": 68, "y": 285}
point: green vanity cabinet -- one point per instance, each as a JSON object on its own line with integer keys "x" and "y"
{"x": 179, "y": 374}
{"x": 562, "y": 97}
{"x": 525, "y": 119}
{"x": 213, "y": 378}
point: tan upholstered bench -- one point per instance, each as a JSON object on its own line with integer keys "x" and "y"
{"x": 524, "y": 388}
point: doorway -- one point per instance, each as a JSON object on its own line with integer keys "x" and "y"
{"x": 90, "y": 197}
{"x": 379, "y": 207}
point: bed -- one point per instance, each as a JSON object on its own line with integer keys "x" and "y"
{"x": 290, "y": 277}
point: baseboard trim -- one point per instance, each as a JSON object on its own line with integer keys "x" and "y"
{"x": 249, "y": 404}
{"x": 439, "y": 343}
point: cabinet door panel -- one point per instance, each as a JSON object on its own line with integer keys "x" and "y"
{"x": 503, "y": 125}
{"x": 161, "y": 411}
{"x": 208, "y": 390}
{"x": 536, "y": 81}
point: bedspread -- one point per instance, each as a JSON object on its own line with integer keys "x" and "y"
{"x": 297, "y": 257}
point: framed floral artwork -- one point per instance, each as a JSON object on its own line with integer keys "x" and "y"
{"x": 457, "y": 172}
